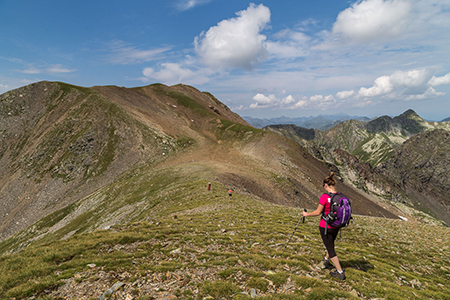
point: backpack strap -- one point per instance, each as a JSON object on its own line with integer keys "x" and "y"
{"x": 331, "y": 200}
{"x": 323, "y": 212}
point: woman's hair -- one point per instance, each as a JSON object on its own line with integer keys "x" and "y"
{"x": 329, "y": 180}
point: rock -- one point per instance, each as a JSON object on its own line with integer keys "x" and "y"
{"x": 253, "y": 293}
{"x": 111, "y": 291}
{"x": 415, "y": 283}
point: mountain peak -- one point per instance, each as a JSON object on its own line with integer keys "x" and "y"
{"x": 410, "y": 114}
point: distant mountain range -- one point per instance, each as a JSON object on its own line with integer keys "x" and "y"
{"x": 321, "y": 122}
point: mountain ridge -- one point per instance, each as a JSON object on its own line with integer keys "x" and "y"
{"x": 321, "y": 122}
{"x": 65, "y": 148}
{"x": 358, "y": 149}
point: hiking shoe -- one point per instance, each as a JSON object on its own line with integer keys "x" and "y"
{"x": 325, "y": 264}
{"x": 336, "y": 274}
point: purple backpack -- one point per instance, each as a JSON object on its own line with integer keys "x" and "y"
{"x": 340, "y": 211}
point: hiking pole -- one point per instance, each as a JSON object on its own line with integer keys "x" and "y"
{"x": 303, "y": 221}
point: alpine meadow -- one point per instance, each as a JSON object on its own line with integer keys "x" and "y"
{"x": 104, "y": 195}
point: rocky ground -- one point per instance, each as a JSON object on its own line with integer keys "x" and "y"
{"x": 383, "y": 260}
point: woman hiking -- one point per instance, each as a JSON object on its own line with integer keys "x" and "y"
{"x": 329, "y": 235}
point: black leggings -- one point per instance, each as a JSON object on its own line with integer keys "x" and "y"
{"x": 328, "y": 240}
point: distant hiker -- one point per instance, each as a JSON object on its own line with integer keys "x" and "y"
{"x": 328, "y": 232}
{"x": 230, "y": 193}
{"x": 209, "y": 186}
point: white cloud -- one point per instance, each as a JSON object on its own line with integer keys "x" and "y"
{"x": 260, "y": 98}
{"x": 123, "y": 53}
{"x": 53, "y": 69}
{"x": 373, "y": 20}
{"x": 319, "y": 102}
{"x": 4, "y": 88}
{"x": 382, "y": 86}
{"x": 428, "y": 94}
{"x": 409, "y": 78}
{"x": 237, "y": 42}
{"x": 171, "y": 73}
{"x": 300, "y": 104}
{"x": 290, "y": 44}
{"x": 316, "y": 98}
{"x": 436, "y": 81}
{"x": 407, "y": 85}
{"x": 183, "y": 5}
{"x": 31, "y": 70}
{"x": 288, "y": 100}
{"x": 345, "y": 94}
{"x": 263, "y": 101}
{"x": 59, "y": 69}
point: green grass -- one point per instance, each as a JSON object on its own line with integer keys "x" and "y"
{"x": 179, "y": 232}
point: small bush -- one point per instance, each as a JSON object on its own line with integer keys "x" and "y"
{"x": 279, "y": 278}
{"x": 227, "y": 273}
{"x": 219, "y": 289}
{"x": 258, "y": 283}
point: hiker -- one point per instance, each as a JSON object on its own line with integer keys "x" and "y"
{"x": 230, "y": 193}
{"x": 209, "y": 186}
{"x": 329, "y": 235}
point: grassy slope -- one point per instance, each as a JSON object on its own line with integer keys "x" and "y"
{"x": 222, "y": 248}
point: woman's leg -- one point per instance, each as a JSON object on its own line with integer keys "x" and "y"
{"x": 328, "y": 241}
{"x": 335, "y": 261}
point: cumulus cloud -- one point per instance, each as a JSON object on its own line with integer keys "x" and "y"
{"x": 429, "y": 93}
{"x": 262, "y": 101}
{"x": 300, "y": 104}
{"x": 373, "y": 20}
{"x": 435, "y": 81}
{"x": 290, "y": 102}
{"x": 236, "y": 42}
{"x": 171, "y": 73}
{"x": 381, "y": 86}
{"x": 407, "y": 85}
{"x": 345, "y": 94}
{"x": 321, "y": 102}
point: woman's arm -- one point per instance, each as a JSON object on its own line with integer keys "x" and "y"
{"x": 317, "y": 212}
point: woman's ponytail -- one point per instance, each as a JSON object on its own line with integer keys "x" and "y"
{"x": 330, "y": 180}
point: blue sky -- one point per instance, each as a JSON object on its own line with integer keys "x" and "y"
{"x": 262, "y": 59}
